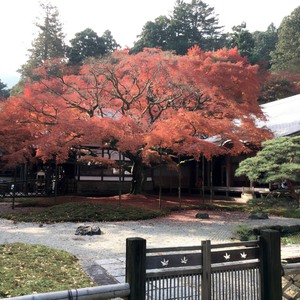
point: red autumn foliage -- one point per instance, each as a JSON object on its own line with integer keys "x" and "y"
{"x": 137, "y": 104}
{"x": 280, "y": 85}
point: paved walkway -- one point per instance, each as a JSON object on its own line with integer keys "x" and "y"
{"x": 107, "y": 271}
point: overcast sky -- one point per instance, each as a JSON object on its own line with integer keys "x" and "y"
{"x": 124, "y": 18}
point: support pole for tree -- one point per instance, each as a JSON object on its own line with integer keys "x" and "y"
{"x": 13, "y": 188}
{"x": 120, "y": 179}
{"x": 26, "y": 177}
{"x": 160, "y": 181}
{"x": 228, "y": 174}
{"x": 203, "y": 175}
{"x": 55, "y": 181}
{"x": 211, "y": 179}
{"x": 179, "y": 182}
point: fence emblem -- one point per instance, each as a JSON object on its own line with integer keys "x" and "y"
{"x": 227, "y": 256}
{"x": 165, "y": 262}
{"x": 184, "y": 260}
{"x": 243, "y": 255}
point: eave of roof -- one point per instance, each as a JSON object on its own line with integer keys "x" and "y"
{"x": 283, "y": 116}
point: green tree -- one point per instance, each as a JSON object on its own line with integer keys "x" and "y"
{"x": 194, "y": 23}
{"x": 264, "y": 44}
{"x": 109, "y": 42}
{"x": 4, "y": 92}
{"x": 190, "y": 24}
{"x": 243, "y": 40}
{"x": 87, "y": 43}
{"x": 278, "y": 161}
{"x": 49, "y": 43}
{"x": 286, "y": 55}
{"x": 157, "y": 34}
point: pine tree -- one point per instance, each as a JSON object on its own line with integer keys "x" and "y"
{"x": 243, "y": 40}
{"x": 87, "y": 43}
{"x": 286, "y": 55}
{"x": 278, "y": 161}
{"x": 190, "y": 24}
{"x": 49, "y": 43}
{"x": 4, "y": 92}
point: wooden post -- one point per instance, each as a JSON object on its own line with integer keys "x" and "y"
{"x": 136, "y": 267}
{"x": 203, "y": 176}
{"x": 179, "y": 181}
{"x": 13, "y": 188}
{"x": 228, "y": 174}
{"x": 120, "y": 178}
{"x": 206, "y": 270}
{"x": 55, "y": 181}
{"x": 271, "y": 285}
{"x": 160, "y": 180}
{"x": 211, "y": 179}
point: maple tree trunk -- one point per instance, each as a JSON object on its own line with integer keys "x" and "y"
{"x": 137, "y": 177}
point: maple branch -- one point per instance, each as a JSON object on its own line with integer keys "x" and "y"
{"x": 61, "y": 96}
{"x": 42, "y": 111}
{"x": 118, "y": 94}
{"x": 94, "y": 92}
{"x": 90, "y": 111}
{"x": 72, "y": 138}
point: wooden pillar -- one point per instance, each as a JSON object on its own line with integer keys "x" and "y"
{"x": 120, "y": 177}
{"x": 13, "y": 189}
{"x": 160, "y": 180}
{"x": 78, "y": 171}
{"x": 136, "y": 267}
{"x": 203, "y": 176}
{"x": 228, "y": 174}
{"x": 211, "y": 179}
{"x": 179, "y": 180}
{"x": 206, "y": 270}
{"x": 271, "y": 285}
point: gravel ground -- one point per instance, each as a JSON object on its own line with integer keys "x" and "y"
{"x": 177, "y": 229}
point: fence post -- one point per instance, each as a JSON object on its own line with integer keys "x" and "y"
{"x": 136, "y": 267}
{"x": 206, "y": 270}
{"x": 271, "y": 282}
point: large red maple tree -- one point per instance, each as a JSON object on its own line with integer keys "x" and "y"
{"x": 137, "y": 104}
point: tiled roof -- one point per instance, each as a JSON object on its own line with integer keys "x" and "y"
{"x": 283, "y": 116}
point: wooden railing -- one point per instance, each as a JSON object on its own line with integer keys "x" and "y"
{"x": 245, "y": 270}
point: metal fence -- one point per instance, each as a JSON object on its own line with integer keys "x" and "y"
{"x": 22, "y": 188}
{"x": 33, "y": 188}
